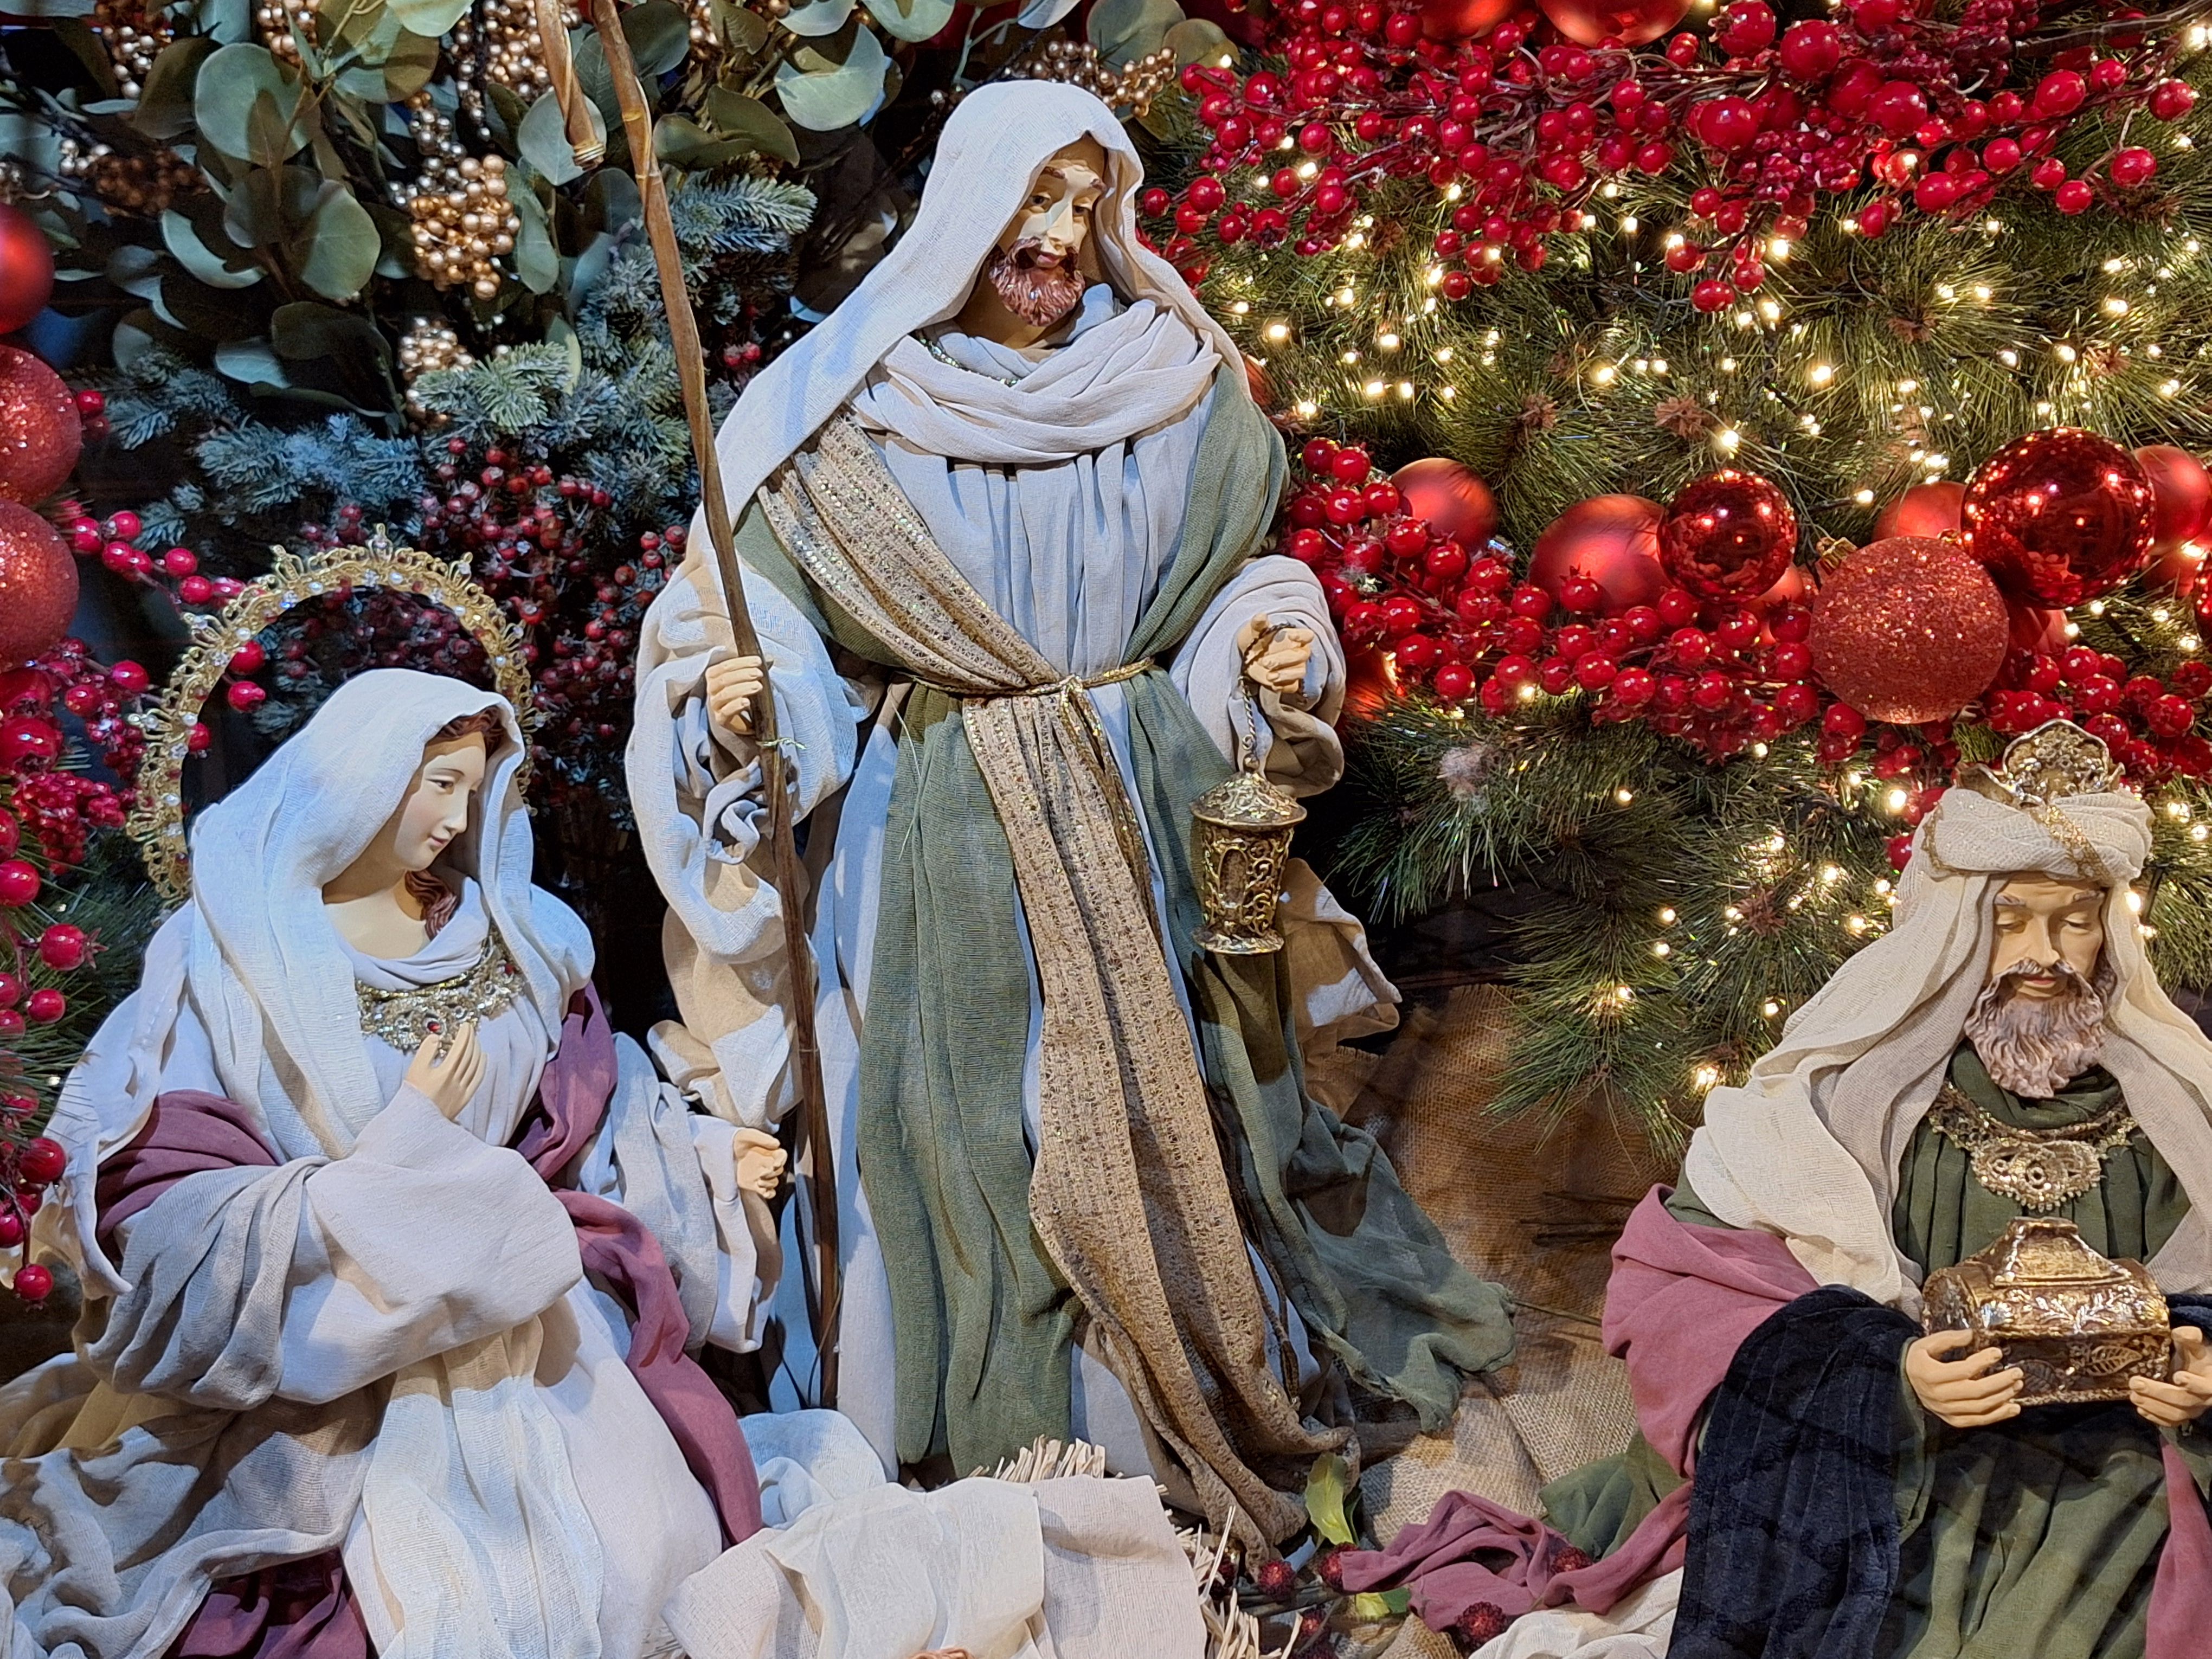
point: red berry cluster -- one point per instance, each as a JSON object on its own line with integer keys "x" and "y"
{"x": 1517, "y": 130}
{"x": 548, "y": 547}
{"x": 27, "y": 1168}
{"x": 114, "y": 541}
{"x": 1465, "y": 624}
{"x": 60, "y": 805}
{"x": 2149, "y": 724}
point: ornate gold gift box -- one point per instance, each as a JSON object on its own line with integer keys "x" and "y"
{"x": 2078, "y": 1324}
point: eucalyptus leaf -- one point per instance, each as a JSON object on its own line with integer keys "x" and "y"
{"x": 542, "y": 138}
{"x": 822, "y": 93}
{"x": 137, "y": 269}
{"x": 817, "y": 17}
{"x": 737, "y": 116}
{"x": 229, "y": 22}
{"x": 409, "y": 65}
{"x": 49, "y": 8}
{"x": 341, "y": 245}
{"x": 202, "y": 261}
{"x": 213, "y": 314}
{"x": 536, "y": 261}
{"x": 304, "y": 331}
{"x": 1125, "y": 30}
{"x": 559, "y": 333}
{"x": 397, "y": 232}
{"x": 132, "y": 339}
{"x": 1199, "y": 39}
{"x": 248, "y": 106}
{"x": 1044, "y": 14}
{"x": 254, "y": 215}
{"x": 87, "y": 48}
{"x": 165, "y": 98}
{"x": 431, "y": 18}
{"x": 254, "y": 361}
{"x": 745, "y": 30}
{"x": 659, "y": 34}
{"x": 912, "y": 20}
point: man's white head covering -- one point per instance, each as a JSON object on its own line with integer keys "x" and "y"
{"x": 1810, "y": 1145}
{"x": 259, "y": 960}
{"x": 991, "y": 150}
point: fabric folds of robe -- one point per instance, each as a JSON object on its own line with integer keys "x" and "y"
{"x": 983, "y": 1322}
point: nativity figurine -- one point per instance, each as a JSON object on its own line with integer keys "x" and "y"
{"x": 1003, "y": 523}
{"x": 394, "y": 1257}
{"x": 1815, "y": 1472}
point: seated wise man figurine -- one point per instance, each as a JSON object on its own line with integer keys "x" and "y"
{"x": 1813, "y": 1475}
{"x": 1002, "y": 519}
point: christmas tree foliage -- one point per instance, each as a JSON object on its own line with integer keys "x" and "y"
{"x": 1839, "y": 257}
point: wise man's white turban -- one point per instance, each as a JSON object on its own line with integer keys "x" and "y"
{"x": 1810, "y": 1146}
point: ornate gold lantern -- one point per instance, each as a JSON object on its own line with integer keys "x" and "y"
{"x": 2078, "y": 1324}
{"x": 1240, "y": 845}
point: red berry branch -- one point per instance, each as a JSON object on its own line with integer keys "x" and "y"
{"x": 1515, "y": 132}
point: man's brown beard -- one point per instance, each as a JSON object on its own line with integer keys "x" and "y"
{"x": 2035, "y": 1046}
{"x": 1039, "y": 295}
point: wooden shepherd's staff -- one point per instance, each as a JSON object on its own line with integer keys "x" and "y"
{"x": 783, "y": 846}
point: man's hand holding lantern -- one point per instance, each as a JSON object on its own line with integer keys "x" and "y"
{"x": 1275, "y": 658}
{"x": 731, "y": 685}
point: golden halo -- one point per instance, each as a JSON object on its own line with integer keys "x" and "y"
{"x": 157, "y": 818}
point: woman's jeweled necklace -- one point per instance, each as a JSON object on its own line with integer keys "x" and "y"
{"x": 930, "y": 345}
{"x": 2037, "y": 1169}
{"x": 404, "y": 1017}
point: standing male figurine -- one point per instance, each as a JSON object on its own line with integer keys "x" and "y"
{"x": 1001, "y": 522}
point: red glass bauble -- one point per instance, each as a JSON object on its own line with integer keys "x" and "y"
{"x": 2060, "y": 516}
{"x": 2183, "y": 493}
{"x": 38, "y": 585}
{"x": 1462, "y": 19}
{"x": 1727, "y": 535}
{"x": 1908, "y": 629}
{"x": 40, "y": 431}
{"x": 1457, "y": 504}
{"x": 1928, "y": 509}
{"x": 1612, "y": 540}
{"x": 27, "y": 268}
{"x": 1633, "y": 23}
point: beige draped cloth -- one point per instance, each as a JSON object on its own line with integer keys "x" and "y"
{"x": 1128, "y": 1196}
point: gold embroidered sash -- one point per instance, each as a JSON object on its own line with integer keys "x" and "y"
{"x": 1128, "y": 1195}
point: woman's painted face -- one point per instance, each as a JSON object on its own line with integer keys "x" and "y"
{"x": 437, "y": 806}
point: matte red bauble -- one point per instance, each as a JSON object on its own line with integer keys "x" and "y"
{"x": 1613, "y": 541}
{"x": 27, "y": 268}
{"x": 1727, "y": 535}
{"x": 38, "y": 585}
{"x": 1928, "y": 509}
{"x": 40, "y": 431}
{"x": 1457, "y": 504}
{"x": 1909, "y": 629}
{"x": 2183, "y": 493}
{"x": 2178, "y": 570}
{"x": 1633, "y": 23}
{"x": 2060, "y": 516}
{"x": 1462, "y": 19}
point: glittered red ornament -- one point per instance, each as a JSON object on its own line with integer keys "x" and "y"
{"x": 2060, "y": 516}
{"x": 1457, "y": 504}
{"x": 1633, "y": 23}
{"x": 1727, "y": 535}
{"x": 2183, "y": 493}
{"x": 38, "y": 585}
{"x": 27, "y": 268}
{"x": 1908, "y": 629}
{"x": 1462, "y": 19}
{"x": 1928, "y": 509}
{"x": 40, "y": 431}
{"x": 1612, "y": 540}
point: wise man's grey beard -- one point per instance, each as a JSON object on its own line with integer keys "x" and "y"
{"x": 1039, "y": 295}
{"x": 2034, "y": 1046}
